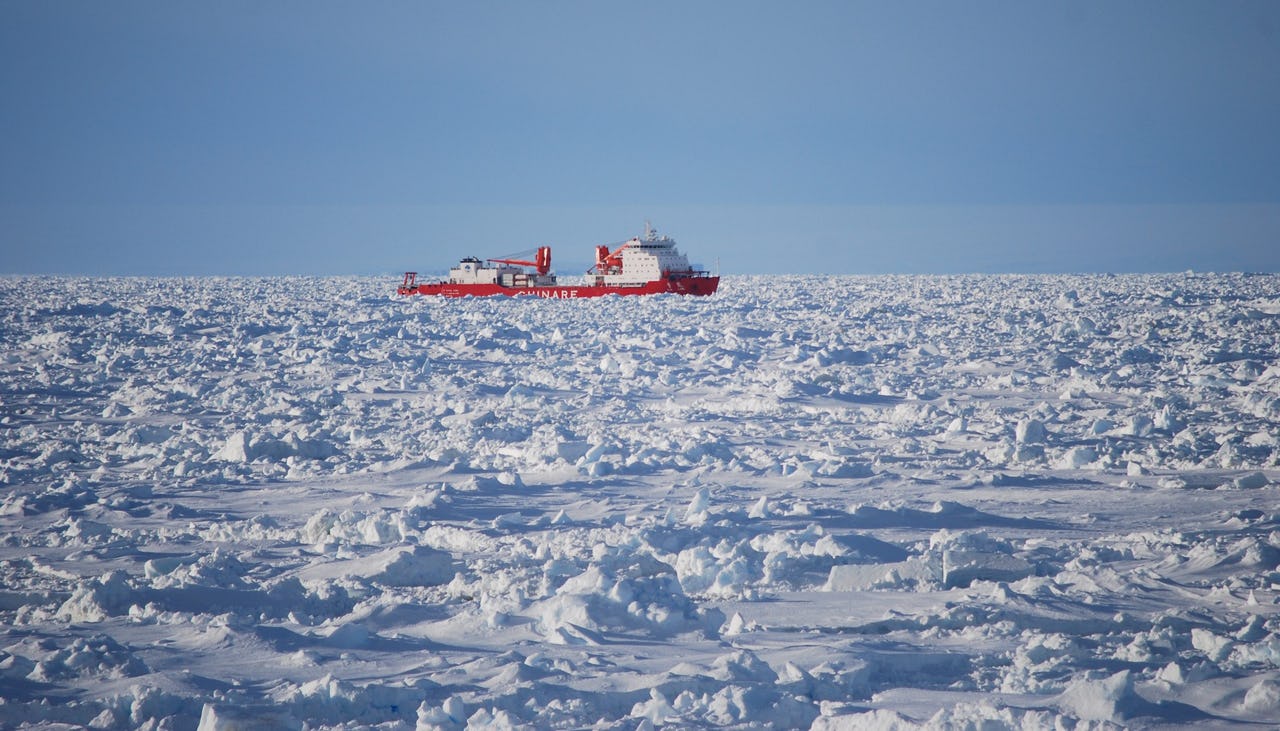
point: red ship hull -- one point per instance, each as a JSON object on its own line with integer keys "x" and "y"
{"x": 697, "y": 286}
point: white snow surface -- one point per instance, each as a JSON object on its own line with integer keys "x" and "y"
{"x": 805, "y": 502}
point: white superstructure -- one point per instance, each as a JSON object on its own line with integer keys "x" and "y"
{"x": 642, "y": 260}
{"x": 473, "y": 271}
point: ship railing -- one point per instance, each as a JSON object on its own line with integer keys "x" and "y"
{"x": 689, "y": 274}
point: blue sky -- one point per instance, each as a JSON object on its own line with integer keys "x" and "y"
{"x": 335, "y": 137}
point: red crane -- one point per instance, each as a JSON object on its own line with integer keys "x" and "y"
{"x": 606, "y": 262}
{"x": 541, "y": 261}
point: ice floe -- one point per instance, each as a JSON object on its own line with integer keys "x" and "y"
{"x": 806, "y": 502}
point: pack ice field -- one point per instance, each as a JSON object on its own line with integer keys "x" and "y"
{"x": 803, "y": 502}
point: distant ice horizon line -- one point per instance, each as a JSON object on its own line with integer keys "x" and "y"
{"x": 396, "y": 275}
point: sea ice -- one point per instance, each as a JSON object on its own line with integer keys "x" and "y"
{"x": 826, "y": 502}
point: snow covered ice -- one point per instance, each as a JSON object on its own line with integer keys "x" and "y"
{"x": 857, "y": 502}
